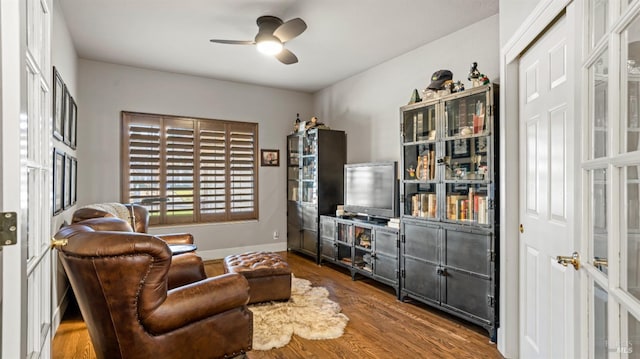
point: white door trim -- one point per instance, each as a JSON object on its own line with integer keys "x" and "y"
{"x": 14, "y": 258}
{"x": 543, "y": 15}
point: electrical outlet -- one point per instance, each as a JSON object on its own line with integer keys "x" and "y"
{"x": 276, "y": 235}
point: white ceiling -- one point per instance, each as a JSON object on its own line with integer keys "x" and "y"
{"x": 343, "y": 38}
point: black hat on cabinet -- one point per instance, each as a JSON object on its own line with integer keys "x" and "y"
{"x": 439, "y": 78}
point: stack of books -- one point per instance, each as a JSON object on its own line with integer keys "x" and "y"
{"x": 394, "y": 223}
{"x": 468, "y": 207}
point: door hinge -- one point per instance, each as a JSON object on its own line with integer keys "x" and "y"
{"x": 492, "y": 256}
{"x": 402, "y": 273}
{"x": 490, "y": 110}
{"x": 491, "y": 300}
{"x": 8, "y": 229}
{"x": 491, "y": 204}
{"x": 402, "y": 238}
{"x": 398, "y": 243}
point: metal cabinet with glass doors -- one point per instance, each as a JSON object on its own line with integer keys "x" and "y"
{"x": 315, "y": 181}
{"x": 448, "y": 204}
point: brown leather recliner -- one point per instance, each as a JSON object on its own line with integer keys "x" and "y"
{"x": 140, "y": 216}
{"x": 120, "y": 280}
{"x": 186, "y": 268}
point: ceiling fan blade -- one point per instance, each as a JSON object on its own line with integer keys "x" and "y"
{"x": 233, "y": 42}
{"x": 290, "y": 29}
{"x": 287, "y": 57}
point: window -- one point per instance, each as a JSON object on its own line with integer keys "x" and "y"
{"x": 188, "y": 170}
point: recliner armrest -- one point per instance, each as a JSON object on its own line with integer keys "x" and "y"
{"x": 197, "y": 301}
{"x": 176, "y": 238}
{"x": 185, "y": 269}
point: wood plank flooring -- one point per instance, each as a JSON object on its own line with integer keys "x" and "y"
{"x": 380, "y": 326}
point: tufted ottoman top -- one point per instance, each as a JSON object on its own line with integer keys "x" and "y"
{"x": 256, "y": 264}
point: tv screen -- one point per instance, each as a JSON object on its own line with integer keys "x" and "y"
{"x": 371, "y": 189}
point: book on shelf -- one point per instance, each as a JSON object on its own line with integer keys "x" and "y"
{"x": 468, "y": 207}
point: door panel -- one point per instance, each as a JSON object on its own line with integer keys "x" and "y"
{"x": 547, "y": 288}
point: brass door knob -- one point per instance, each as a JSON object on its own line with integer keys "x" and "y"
{"x": 574, "y": 260}
{"x": 56, "y": 243}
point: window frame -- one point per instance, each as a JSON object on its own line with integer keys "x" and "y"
{"x": 231, "y": 146}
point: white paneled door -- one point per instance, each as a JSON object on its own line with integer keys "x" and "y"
{"x": 25, "y": 162}
{"x": 546, "y": 125}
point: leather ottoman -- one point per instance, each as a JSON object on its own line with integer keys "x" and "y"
{"x": 269, "y": 275}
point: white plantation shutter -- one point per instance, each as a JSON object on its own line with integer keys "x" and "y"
{"x": 187, "y": 170}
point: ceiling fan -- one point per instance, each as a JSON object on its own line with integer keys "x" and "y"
{"x": 273, "y": 33}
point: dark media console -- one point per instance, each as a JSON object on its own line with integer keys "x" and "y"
{"x": 363, "y": 247}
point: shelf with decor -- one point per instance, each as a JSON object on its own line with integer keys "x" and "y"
{"x": 448, "y": 252}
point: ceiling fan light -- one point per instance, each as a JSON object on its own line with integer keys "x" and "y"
{"x": 269, "y": 47}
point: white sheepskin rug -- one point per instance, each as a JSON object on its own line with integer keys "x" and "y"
{"x": 309, "y": 314}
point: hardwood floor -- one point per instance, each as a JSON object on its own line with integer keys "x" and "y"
{"x": 380, "y": 326}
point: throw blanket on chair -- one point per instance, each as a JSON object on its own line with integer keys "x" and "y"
{"x": 115, "y": 209}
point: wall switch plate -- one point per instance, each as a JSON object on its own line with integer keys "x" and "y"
{"x": 276, "y": 235}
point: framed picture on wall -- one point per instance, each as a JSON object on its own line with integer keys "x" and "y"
{"x": 73, "y": 122}
{"x": 58, "y": 181}
{"x": 66, "y": 131}
{"x": 67, "y": 182}
{"x": 74, "y": 180}
{"x": 58, "y": 105}
{"x": 270, "y": 157}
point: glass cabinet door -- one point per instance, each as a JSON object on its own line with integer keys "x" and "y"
{"x": 293, "y": 168}
{"x": 420, "y": 165}
{"x": 362, "y": 252}
{"x": 309, "y": 168}
{"x": 466, "y": 166}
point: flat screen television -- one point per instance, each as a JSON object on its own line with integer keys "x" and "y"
{"x": 371, "y": 189}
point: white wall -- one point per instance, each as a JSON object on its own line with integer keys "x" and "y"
{"x": 367, "y": 105}
{"x": 65, "y": 60}
{"x": 108, "y": 89}
{"x": 512, "y": 15}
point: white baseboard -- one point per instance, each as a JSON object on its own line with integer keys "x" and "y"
{"x": 60, "y": 309}
{"x": 221, "y": 253}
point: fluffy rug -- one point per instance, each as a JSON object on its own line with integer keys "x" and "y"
{"x": 309, "y": 314}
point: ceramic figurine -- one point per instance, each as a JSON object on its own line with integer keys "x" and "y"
{"x": 296, "y": 125}
{"x": 474, "y": 73}
{"x": 412, "y": 172}
{"x": 415, "y": 97}
{"x": 484, "y": 80}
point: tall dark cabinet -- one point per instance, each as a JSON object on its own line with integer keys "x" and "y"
{"x": 315, "y": 181}
{"x": 449, "y": 212}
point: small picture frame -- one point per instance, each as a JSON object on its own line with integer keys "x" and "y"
{"x": 481, "y": 144}
{"x": 67, "y": 181}
{"x": 270, "y": 158}
{"x": 68, "y": 100}
{"x": 460, "y": 148}
{"x": 58, "y": 105}
{"x": 73, "y": 122}
{"x": 58, "y": 181}
{"x": 74, "y": 180}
